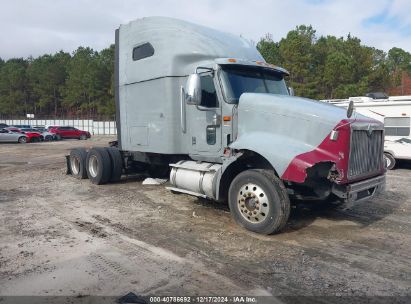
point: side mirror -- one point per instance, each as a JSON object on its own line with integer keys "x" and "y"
{"x": 291, "y": 91}
{"x": 193, "y": 90}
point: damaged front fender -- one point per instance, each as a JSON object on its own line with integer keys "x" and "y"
{"x": 292, "y": 158}
{"x": 329, "y": 151}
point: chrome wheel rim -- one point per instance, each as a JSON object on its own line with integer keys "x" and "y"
{"x": 93, "y": 165}
{"x": 252, "y": 202}
{"x": 75, "y": 165}
{"x": 387, "y": 161}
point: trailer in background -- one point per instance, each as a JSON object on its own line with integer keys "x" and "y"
{"x": 395, "y": 113}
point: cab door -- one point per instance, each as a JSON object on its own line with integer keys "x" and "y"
{"x": 204, "y": 126}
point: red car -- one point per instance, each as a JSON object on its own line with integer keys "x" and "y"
{"x": 31, "y": 136}
{"x": 69, "y": 132}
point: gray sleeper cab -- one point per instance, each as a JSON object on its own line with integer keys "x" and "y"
{"x": 205, "y": 104}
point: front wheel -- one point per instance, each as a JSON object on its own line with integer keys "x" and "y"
{"x": 83, "y": 137}
{"x": 259, "y": 201}
{"x": 390, "y": 161}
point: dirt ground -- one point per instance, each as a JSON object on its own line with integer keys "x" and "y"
{"x": 61, "y": 236}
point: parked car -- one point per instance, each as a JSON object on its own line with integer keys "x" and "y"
{"x": 395, "y": 150}
{"x": 3, "y": 125}
{"x": 10, "y": 136}
{"x": 31, "y": 136}
{"x": 47, "y": 136}
{"x": 39, "y": 127}
{"x": 69, "y": 132}
{"x": 21, "y": 126}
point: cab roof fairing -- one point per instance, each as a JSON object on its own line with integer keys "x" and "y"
{"x": 179, "y": 47}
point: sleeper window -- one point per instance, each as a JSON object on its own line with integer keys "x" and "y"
{"x": 143, "y": 51}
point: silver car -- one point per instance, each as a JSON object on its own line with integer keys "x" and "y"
{"x": 9, "y": 136}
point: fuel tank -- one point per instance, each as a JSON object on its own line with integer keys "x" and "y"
{"x": 196, "y": 177}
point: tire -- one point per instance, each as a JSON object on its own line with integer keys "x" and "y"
{"x": 22, "y": 140}
{"x": 78, "y": 163}
{"x": 48, "y": 138}
{"x": 116, "y": 164}
{"x": 98, "y": 165}
{"x": 83, "y": 137}
{"x": 390, "y": 160}
{"x": 258, "y": 201}
{"x": 113, "y": 143}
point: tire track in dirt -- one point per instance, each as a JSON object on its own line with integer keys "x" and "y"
{"x": 158, "y": 262}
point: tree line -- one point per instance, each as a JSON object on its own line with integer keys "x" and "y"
{"x": 328, "y": 67}
{"x": 81, "y": 84}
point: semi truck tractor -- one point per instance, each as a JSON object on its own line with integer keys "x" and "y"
{"x": 204, "y": 107}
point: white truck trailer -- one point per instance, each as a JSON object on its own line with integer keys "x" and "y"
{"x": 395, "y": 113}
{"x": 204, "y": 107}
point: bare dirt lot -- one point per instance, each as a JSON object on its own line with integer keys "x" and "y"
{"x": 61, "y": 236}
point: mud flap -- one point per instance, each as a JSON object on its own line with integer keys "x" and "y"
{"x": 68, "y": 171}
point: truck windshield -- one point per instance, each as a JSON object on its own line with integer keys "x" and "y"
{"x": 237, "y": 80}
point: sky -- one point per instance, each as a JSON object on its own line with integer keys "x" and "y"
{"x": 37, "y": 27}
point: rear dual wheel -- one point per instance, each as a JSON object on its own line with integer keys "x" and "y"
{"x": 116, "y": 164}
{"x": 100, "y": 165}
{"x": 77, "y": 162}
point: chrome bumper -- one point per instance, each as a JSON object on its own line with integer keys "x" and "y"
{"x": 361, "y": 190}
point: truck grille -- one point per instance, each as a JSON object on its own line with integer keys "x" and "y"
{"x": 366, "y": 153}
